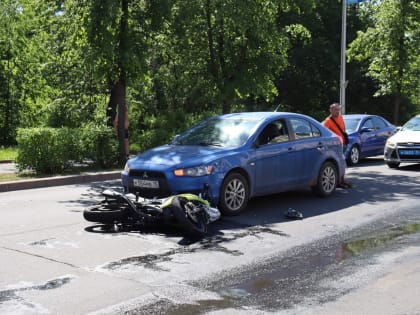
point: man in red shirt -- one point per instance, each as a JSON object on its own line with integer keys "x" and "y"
{"x": 335, "y": 123}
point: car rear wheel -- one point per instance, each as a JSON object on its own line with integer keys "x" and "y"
{"x": 234, "y": 194}
{"x": 354, "y": 155}
{"x": 327, "y": 180}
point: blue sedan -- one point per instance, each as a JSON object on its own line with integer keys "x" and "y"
{"x": 240, "y": 156}
{"x": 367, "y": 136}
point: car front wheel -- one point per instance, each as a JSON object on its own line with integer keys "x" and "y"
{"x": 234, "y": 194}
{"x": 327, "y": 180}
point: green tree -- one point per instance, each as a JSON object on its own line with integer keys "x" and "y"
{"x": 23, "y": 56}
{"x": 229, "y": 50}
{"x": 119, "y": 33}
{"x": 311, "y": 81}
{"x": 391, "y": 45}
{"x": 77, "y": 96}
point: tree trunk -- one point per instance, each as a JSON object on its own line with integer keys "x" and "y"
{"x": 111, "y": 110}
{"x": 396, "y": 114}
{"x": 120, "y": 86}
{"x": 226, "y": 108}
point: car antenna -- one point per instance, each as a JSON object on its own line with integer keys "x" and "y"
{"x": 277, "y": 108}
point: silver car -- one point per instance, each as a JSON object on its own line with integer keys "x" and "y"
{"x": 404, "y": 146}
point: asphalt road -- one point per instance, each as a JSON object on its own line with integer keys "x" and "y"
{"x": 52, "y": 261}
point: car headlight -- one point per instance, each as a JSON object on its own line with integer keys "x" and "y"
{"x": 391, "y": 144}
{"x": 194, "y": 171}
{"x": 126, "y": 168}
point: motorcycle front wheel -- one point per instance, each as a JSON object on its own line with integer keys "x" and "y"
{"x": 193, "y": 223}
{"x": 106, "y": 213}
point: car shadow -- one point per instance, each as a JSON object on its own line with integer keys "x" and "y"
{"x": 369, "y": 161}
{"x": 263, "y": 212}
{"x": 368, "y": 187}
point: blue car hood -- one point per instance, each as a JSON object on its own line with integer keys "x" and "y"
{"x": 170, "y": 155}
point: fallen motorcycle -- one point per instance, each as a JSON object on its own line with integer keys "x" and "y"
{"x": 193, "y": 213}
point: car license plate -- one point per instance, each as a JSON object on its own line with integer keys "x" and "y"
{"x": 410, "y": 152}
{"x": 142, "y": 183}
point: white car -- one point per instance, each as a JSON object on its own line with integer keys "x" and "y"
{"x": 404, "y": 146}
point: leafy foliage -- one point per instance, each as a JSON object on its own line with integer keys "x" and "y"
{"x": 52, "y": 150}
{"x": 391, "y": 45}
{"x": 47, "y": 150}
{"x": 100, "y": 145}
{"x": 70, "y": 64}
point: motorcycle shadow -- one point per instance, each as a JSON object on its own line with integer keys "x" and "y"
{"x": 162, "y": 230}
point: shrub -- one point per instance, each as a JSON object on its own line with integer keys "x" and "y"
{"x": 48, "y": 150}
{"x": 52, "y": 150}
{"x": 100, "y": 145}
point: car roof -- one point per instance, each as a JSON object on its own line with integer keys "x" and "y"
{"x": 259, "y": 115}
{"x": 358, "y": 115}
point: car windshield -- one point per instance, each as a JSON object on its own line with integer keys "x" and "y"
{"x": 413, "y": 124}
{"x": 222, "y": 132}
{"x": 351, "y": 123}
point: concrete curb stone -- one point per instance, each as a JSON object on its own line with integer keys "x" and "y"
{"x": 6, "y": 161}
{"x": 58, "y": 181}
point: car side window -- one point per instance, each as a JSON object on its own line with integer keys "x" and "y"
{"x": 274, "y": 132}
{"x": 304, "y": 129}
{"x": 368, "y": 124}
{"x": 379, "y": 123}
{"x": 315, "y": 131}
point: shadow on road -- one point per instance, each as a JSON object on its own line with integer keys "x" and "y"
{"x": 370, "y": 186}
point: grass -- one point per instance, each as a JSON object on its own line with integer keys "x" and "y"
{"x": 8, "y": 153}
{"x": 12, "y": 177}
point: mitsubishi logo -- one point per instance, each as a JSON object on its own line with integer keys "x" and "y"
{"x": 145, "y": 175}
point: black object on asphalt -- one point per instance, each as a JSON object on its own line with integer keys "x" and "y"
{"x": 293, "y": 214}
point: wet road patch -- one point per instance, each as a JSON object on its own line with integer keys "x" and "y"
{"x": 304, "y": 275}
{"x": 10, "y": 298}
{"x": 211, "y": 243}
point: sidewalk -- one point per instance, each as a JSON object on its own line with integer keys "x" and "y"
{"x": 7, "y": 167}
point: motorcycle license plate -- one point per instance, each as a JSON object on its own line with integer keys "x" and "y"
{"x": 143, "y": 183}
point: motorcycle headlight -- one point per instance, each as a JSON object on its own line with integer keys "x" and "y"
{"x": 194, "y": 171}
{"x": 391, "y": 144}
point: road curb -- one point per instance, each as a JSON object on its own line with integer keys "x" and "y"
{"x": 58, "y": 181}
{"x": 6, "y": 161}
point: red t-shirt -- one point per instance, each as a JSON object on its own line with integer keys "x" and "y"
{"x": 333, "y": 127}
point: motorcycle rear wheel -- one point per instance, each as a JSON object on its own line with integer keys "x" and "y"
{"x": 106, "y": 213}
{"x": 194, "y": 224}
